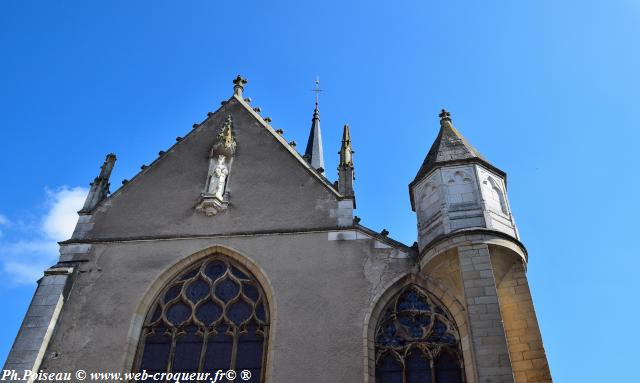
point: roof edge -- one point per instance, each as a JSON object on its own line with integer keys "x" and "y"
{"x": 284, "y": 143}
{"x": 259, "y": 118}
{"x": 358, "y": 227}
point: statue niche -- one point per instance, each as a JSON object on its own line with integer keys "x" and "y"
{"x": 215, "y": 197}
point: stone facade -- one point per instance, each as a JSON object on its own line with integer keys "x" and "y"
{"x": 326, "y": 277}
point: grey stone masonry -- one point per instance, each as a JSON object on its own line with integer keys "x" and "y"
{"x": 74, "y": 252}
{"x": 38, "y": 325}
{"x": 344, "y": 212}
{"x": 487, "y": 330}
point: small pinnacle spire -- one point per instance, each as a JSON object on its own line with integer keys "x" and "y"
{"x": 346, "y": 173}
{"x": 100, "y": 185}
{"x": 226, "y": 135}
{"x": 346, "y": 151}
{"x": 107, "y": 166}
{"x": 238, "y": 85}
{"x": 314, "y": 152}
{"x": 225, "y": 143}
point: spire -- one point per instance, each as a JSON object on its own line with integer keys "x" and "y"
{"x": 313, "y": 153}
{"x": 99, "y": 186}
{"x": 346, "y": 152}
{"x": 346, "y": 173}
{"x": 225, "y": 143}
{"x": 449, "y": 147}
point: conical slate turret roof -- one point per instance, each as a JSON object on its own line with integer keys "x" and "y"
{"x": 450, "y": 147}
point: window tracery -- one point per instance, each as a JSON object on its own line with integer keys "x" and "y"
{"x": 212, "y": 317}
{"x": 416, "y": 341}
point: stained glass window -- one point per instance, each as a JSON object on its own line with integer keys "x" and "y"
{"x": 416, "y": 341}
{"x": 212, "y": 317}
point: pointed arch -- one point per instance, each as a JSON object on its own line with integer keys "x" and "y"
{"x": 497, "y": 195}
{"x": 188, "y": 273}
{"x": 460, "y": 187}
{"x": 438, "y": 294}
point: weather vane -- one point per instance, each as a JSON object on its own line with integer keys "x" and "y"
{"x": 317, "y": 90}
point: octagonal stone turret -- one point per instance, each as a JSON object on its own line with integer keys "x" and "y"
{"x": 456, "y": 189}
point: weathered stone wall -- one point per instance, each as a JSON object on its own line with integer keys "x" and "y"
{"x": 487, "y": 331}
{"x": 322, "y": 285}
{"x": 40, "y": 321}
{"x": 269, "y": 189}
{"x": 526, "y": 351}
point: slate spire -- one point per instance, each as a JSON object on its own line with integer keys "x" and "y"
{"x": 313, "y": 153}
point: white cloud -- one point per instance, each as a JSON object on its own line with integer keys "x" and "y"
{"x": 4, "y": 221}
{"x": 25, "y": 257}
{"x": 60, "y": 220}
{"x": 22, "y": 273}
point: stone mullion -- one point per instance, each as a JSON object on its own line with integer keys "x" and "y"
{"x": 489, "y": 341}
{"x": 203, "y": 350}
{"x": 405, "y": 371}
{"x": 433, "y": 370}
{"x": 234, "y": 348}
{"x": 172, "y": 350}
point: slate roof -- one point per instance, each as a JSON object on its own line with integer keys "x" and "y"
{"x": 450, "y": 147}
{"x": 313, "y": 153}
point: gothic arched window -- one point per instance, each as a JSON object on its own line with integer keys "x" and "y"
{"x": 416, "y": 341}
{"x": 212, "y": 317}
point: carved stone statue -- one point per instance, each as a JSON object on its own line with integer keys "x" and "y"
{"x": 212, "y": 200}
{"x": 219, "y": 178}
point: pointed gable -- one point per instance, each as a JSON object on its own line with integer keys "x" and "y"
{"x": 271, "y": 187}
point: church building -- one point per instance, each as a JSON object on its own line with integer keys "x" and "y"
{"x": 233, "y": 251}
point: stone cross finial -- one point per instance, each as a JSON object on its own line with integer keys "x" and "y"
{"x": 444, "y": 115}
{"x": 238, "y": 85}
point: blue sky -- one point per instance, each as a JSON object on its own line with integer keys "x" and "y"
{"x": 547, "y": 90}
